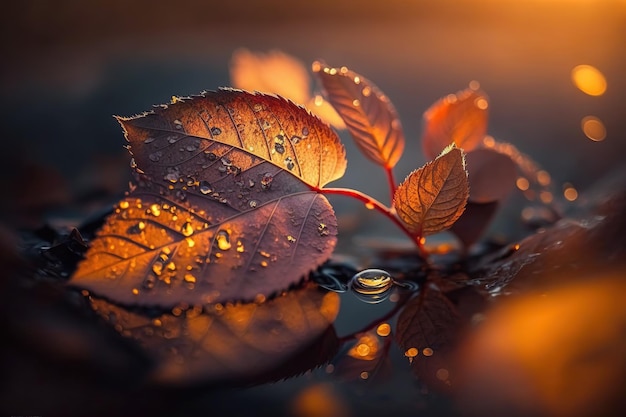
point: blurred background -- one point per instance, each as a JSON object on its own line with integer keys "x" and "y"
{"x": 68, "y": 66}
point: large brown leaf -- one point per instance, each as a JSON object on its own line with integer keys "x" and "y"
{"x": 433, "y": 197}
{"x": 368, "y": 113}
{"x": 224, "y": 207}
{"x": 460, "y": 118}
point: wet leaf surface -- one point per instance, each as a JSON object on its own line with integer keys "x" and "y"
{"x": 433, "y": 197}
{"x": 233, "y": 344}
{"x": 460, "y": 118}
{"x": 224, "y": 207}
{"x": 367, "y": 112}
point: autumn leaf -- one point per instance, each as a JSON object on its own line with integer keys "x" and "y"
{"x": 233, "y": 344}
{"x": 474, "y": 221}
{"x": 433, "y": 197}
{"x": 367, "y": 112}
{"x": 460, "y": 118}
{"x": 273, "y": 72}
{"x": 276, "y": 72}
{"x": 225, "y": 206}
{"x": 491, "y": 175}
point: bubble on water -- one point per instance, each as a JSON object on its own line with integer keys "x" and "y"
{"x": 372, "y": 285}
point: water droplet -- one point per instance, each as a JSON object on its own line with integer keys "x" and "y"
{"x": 295, "y": 140}
{"x": 253, "y": 203}
{"x": 226, "y": 162}
{"x": 157, "y": 268}
{"x": 251, "y": 183}
{"x": 191, "y": 147}
{"x": 372, "y": 285}
{"x": 322, "y": 229}
{"x": 178, "y": 124}
{"x": 383, "y": 330}
{"x": 264, "y": 264}
{"x": 265, "y": 125}
{"x": 187, "y": 229}
{"x": 124, "y": 205}
{"x": 367, "y": 91}
{"x": 148, "y": 282}
{"x": 210, "y": 156}
{"x": 427, "y": 352}
{"x": 305, "y": 132}
{"x": 205, "y": 187}
{"x": 155, "y": 156}
{"x": 155, "y": 209}
{"x": 149, "y": 140}
{"x": 173, "y": 175}
{"x": 173, "y": 139}
{"x": 190, "y": 278}
{"x": 356, "y": 103}
{"x": 240, "y": 247}
{"x": 291, "y": 239}
{"x": 258, "y": 107}
{"x": 141, "y": 225}
{"x": 223, "y": 240}
{"x": 133, "y": 163}
{"x": 216, "y": 131}
{"x": 289, "y": 163}
{"x": 266, "y": 181}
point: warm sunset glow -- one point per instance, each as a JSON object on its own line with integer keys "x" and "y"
{"x": 589, "y": 80}
{"x": 593, "y": 128}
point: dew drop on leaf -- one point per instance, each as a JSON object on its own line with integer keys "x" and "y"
{"x": 124, "y": 205}
{"x": 205, "y": 187}
{"x": 157, "y": 268}
{"x": 223, "y": 240}
{"x": 155, "y": 210}
{"x": 216, "y": 131}
{"x": 187, "y": 229}
{"x": 266, "y": 181}
{"x": 322, "y": 229}
{"x": 289, "y": 163}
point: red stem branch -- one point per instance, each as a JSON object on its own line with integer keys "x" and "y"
{"x": 377, "y": 205}
{"x": 391, "y": 180}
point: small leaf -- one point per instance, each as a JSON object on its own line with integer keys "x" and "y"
{"x": 276, "y": 72}
{"x": 433, "y": 197}
{"x": 460, "y": 118}
{"x": 367, "y": 112}
{"x": 224, "y": 207}
{"x": 491, "y": 176}
{"x": 474, "y": 221}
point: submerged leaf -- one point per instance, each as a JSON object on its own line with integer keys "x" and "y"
{"x": 369, "y": 115}
{"x": 433, "y": 197}
{"x": 225, "y": 206}
{"x": 460, "y": 118}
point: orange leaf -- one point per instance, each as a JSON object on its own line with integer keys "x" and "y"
{"x": 433, "y": 197}
{"x": 367, "y": 112}
{"x": 224, "y": 207}
{"x": 279, "y": 73}
{"x": 460, "y": 118}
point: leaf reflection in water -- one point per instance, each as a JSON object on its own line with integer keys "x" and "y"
{"x": 236, "y": 344}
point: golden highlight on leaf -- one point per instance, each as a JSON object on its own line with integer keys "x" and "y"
{"x": 433, "y": 197}
{"x": 367, "y": 112}
{"x": 223, "y": 207}
{"x": 460, "y": 118}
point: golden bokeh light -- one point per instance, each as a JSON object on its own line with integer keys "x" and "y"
{"x": 593, "y": 128}
{"x": 383, "y": 330}
{"x": 589, "y": 80}
{"x": 522, "y": 183}
{"x": 570, "y": 193}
